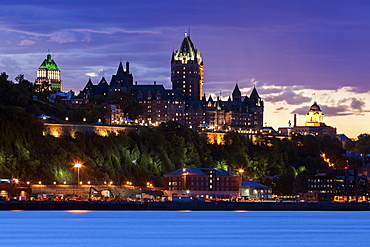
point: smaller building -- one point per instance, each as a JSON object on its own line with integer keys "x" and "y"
{"x": 251, "y": 190}
{"x": 10, "y": 189}
{"x": 209, "y": 183}
{"x": 343, "y": 185}
{"x": 314, "y": 124}
{"x": 66, "y": 98}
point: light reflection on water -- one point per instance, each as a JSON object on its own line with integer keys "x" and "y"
{"x": 184, "y": 228}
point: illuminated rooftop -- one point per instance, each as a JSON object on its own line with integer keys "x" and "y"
{"x": 49, "y": 64}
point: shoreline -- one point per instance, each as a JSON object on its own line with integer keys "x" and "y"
{"x": 193, "y": 206}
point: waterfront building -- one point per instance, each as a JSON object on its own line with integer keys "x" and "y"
{"x": 339, "y": 184}
{"x": 251, "y": 190}
{"x": 11, "y": 188}
{"x": 207, "y": 183}
{"x": 48, "y": 76}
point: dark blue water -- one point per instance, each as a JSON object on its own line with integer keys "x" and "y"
{"x": 184, "y": 228}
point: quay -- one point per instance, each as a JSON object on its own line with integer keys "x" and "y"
{"x": 191, "y": 205}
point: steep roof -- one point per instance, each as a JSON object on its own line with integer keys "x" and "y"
{"x": 120, "y": 71}
{"x": 252, "y": 184}
{"x": 254, "y": 94}
{"x": 236, "y": 91}
{"x": 48, "y": 63}
{"x": 154, "y": 89}
{"x": 187, "y": 49}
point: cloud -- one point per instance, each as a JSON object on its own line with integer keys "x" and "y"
{"x": 288, "y": 94}
{"x": 91, "y": 74}
{"x": 63, "y": 37}
{"x": 357, "y": 104}
{"x": 348, "y": 106}
{"x": 26, "y": 42}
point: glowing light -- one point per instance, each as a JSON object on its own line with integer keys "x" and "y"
{"x": 77, "y": 165}
{"x": 78, "y": 211}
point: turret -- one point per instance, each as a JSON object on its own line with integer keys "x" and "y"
{"x": 237, "y": 95}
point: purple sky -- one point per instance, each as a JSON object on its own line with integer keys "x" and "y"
{"x": 289, "y": 48}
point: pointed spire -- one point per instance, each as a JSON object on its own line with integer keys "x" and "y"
{"x": 255, "y": 99}
{"x": 120, "y": 69}
{"x": 237, "y": 95}
{"x": 254, "y": 94}
{"x": 89, "y": 82}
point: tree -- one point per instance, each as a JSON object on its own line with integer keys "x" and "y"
{"x": 128, "y": 104}
{"x": 363, "y": 144}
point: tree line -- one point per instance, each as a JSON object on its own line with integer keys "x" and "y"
{"x": 29, "y": 153}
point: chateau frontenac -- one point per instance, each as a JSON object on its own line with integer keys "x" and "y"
{"x": 185, "y": 103}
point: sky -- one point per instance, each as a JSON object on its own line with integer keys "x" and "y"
{"x": 294, "y": 52}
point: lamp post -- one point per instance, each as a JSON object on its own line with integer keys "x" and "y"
{"x": 78, "y": 166}
{"x": 241, "y": 171}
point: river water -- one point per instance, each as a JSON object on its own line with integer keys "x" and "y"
{"x": 184, "y": 228}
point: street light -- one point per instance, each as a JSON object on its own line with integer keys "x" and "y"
{"x": 241, "y": 171}
{"x": 78, "y": 166}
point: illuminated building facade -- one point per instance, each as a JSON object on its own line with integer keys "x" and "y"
{"x": 342, "y": 185}
{"x": 184, "y": 103}
{"x": 48, "y": 76}
{"x": 314, "y": 124}
{"x": 187, "y": 70}
{"x": 314, "y": 116}
{"x": 202, "y": 182}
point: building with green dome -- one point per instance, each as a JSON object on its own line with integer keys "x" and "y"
{"x": 48, "y": 76}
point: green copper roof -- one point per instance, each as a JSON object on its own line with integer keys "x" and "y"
{"x": 49, "y": 63}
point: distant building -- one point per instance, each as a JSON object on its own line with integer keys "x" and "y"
{"x": 48, "y": 76}
{"x": 340, "y": 184}
{"x": 314, "y": 124}
{"x": 343, "y": 138}
{"x": 201, "y": 182}
{"x": 184, "y": 103}
{"x": 67, "y": 99}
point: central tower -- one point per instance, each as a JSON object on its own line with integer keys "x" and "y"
{"x": 187, "y": 70}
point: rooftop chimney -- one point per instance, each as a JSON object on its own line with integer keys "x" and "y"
{"x": 295, "y": 120}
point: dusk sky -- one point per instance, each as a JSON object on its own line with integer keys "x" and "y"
{"x": 295, "y": 52}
